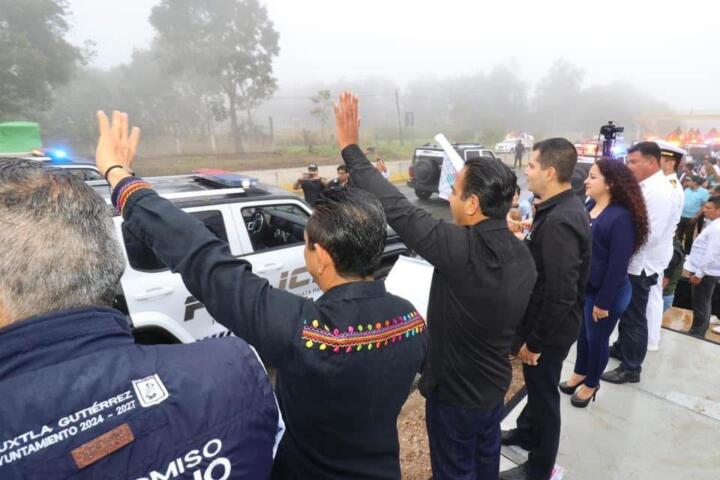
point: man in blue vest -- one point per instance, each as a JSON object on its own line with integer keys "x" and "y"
{"x": 79, "y": 398}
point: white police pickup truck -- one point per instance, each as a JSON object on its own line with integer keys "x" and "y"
{"x": 261, "y": 224}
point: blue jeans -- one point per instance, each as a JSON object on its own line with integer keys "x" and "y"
{"x": 633, "y": 329}
{"x": 668, "y": 301}
{"x": 592, "y": 344}
{"x": 464, "y": 443}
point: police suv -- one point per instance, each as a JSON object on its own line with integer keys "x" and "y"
{"x": 424, "y": 171}
{"x": 260, "y": 223}
{"x": 82, "y": 168}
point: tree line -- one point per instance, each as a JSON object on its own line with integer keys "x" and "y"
{"x": 209, "y": 67}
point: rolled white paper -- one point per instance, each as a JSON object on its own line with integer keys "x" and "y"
{"x": 452, "y": 154}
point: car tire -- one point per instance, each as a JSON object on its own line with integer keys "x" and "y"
{"x": 154, "y": 336}
{"x": 422, "y": 194}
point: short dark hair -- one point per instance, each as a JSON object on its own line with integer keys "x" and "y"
{"x": 676, "y": 165}
{"x": 715, "y": 200}
{"x": 647, "y": 149}
{"x": 697, "y": 179}
{"x": 351, "y": 225}
{"x": 494, "y": 184}
{"x": 342, "y": 168}
{"x": 560, "y": 154}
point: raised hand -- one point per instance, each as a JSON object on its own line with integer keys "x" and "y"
{"x": 347, "y": 120}
{"x": 115, "y": 146}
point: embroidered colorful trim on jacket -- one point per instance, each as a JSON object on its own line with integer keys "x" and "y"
{"x": 127, "y": 189}
{"x": 378, "y": 335}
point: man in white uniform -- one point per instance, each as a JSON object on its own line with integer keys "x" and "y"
{"x": 647, "y": 265}
{"x": 670, "y": 159}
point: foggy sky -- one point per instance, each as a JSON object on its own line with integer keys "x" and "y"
{"x": 668, "y": 49}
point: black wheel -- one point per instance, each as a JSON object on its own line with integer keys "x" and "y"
{"x": 154, "y": 336}
{"x": 422, "y": 194}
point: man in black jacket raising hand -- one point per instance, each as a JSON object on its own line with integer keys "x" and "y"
{"x": 480, "y": 290}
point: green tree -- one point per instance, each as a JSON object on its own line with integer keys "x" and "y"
{"x": 35, "y": 57}
{"x": 231, "y": 42}
{"x": 23, "y": 80}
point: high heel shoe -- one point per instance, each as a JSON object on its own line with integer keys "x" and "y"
{"x": 580, "y": 403}
{"x": 565, "y": 388}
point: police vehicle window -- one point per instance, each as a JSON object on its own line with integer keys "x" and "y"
{"x": 141, "y": 256}
{"x": 92, "y": 175}
{"x": 85, "y": 174}
{"x": 275, "y": 226}
{"x": 472, "y": 154}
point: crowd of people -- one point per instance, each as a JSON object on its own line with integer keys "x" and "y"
{"x": 530, "y": 283}
{"x": 313, "y": 185}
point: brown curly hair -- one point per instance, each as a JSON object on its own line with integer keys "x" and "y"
{"x": 625, "y": 191}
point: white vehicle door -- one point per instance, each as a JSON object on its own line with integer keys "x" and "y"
{"x": 272, "y": 238}
{"x": 156, "y": 297}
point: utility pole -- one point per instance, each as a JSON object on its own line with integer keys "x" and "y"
{"x": 397, "y": 104}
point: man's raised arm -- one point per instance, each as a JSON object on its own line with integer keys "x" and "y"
{"x": 437, "y": 241}
{"x": 246, "y": 304}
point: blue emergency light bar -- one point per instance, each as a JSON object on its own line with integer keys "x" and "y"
{"x": 223, "y": 178}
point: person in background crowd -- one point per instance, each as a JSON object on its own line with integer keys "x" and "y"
{"x": 526, "y": 211}
{"x": 345, "y": 362}
{"x": 672, "y": 275}
{"x": 695, "y": 198}
{"x": 714, "y": 191}
{"x": 647, "y": 264}
{"x": 311, "y": 183}
{"x": 382, "y": 168}
{"x": 480, "y": 290}
{"x": 519, "y": 152}
{"x": 686, "y": 174}
{"x": 619, "y": 227}
{"x": 342, "y": 180}
{"x": 520, "y": 215}
{"x": 669, "y": 163}
{"x": 64, "y": 350}
{"x": 703, "y": 264}
{"x": 711, "y": 171}
{"x": 560, "y": 242}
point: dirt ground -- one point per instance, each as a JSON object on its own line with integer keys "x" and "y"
{"x": 414, "y": 450}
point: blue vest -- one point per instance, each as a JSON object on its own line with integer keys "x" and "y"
{"x": 79, "y": 399}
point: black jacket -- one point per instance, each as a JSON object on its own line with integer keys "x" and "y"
{"x": 81, "y": 400}
{"x": 560, "y": 241}
{"x": 481, "y": 286}
{"x": 345, "y": 363}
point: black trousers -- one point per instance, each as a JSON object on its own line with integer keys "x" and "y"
{"x": 633, "y": 329}
{"x": 686, "y": 233}
{"x": 702, "y": 305}
{"x": 518, "y": 160}
{"x": 538, "y": 425}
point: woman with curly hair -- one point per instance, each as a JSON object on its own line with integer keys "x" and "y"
{"x": 619, "y": 228}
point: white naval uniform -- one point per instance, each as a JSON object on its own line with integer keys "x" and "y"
{"x": 654, "y": 310}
